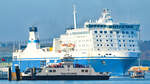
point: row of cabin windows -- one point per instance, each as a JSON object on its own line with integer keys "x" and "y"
{"x": 111, "y": 36}
{"x": 119, "y": 45}
{"x": 106, "y": 54}
{"x": 110, "y": 26}
{"x": 123, "y": 32}
{"x": 110, "y": 49}
{"x": 107, "y": 45}
{"x": 84, "y": 70}
{"x": 52, "y": 70}
{"x": 112, "y": 40}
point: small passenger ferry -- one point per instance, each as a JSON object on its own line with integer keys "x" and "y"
{"x": 66, "y": 70}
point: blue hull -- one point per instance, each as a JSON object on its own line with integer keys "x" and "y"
{"x": 118, "y": 66}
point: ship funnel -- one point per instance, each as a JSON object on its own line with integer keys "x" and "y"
{"x": 33, "y": 42}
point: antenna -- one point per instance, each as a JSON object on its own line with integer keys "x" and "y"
{"x": 74, "y": 16}
{"x": 139, "y": 43}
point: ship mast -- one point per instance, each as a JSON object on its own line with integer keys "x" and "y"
{"x": 74, "y": 16}
{"x": 139, "y": 43}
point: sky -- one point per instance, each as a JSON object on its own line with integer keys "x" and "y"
{"x": 52, "y": 17}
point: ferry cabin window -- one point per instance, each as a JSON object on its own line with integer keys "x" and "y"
{"x": 124, "y": 45}
{"x": 86, "y": 70}
{"x": 54, "y": 70}
{"x": 105, "y": 32}
{"x": 120, "y": 45}
{"x": 50, "y": 70}
{"x": 123, "y": 32}
{"x": 95, "y": 32}
{"x": 101, "y": 31}
{"x": 132, "y": 32}
{"x": 117, "y": 32}
{"x": 111, "y": 32}
{"x": 82, "y": 70}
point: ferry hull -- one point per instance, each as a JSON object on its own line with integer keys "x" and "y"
{"x": 66, "y": 77}
{"x": 117, "y": 66}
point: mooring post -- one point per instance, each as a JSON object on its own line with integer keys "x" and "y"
{"x": 33, "y": 71}
{"x": 17, "y": 73}
{"x": 9, "y": 74}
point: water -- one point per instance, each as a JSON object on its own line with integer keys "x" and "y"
{"x": 111, "y": 81}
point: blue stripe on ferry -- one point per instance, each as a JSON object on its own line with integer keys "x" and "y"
{"x": 34, "y": 41}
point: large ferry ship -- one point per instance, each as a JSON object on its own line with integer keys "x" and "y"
{"x": 105, "y": 45}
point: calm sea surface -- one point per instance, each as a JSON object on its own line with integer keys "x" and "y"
{"x": 111, "y": 81}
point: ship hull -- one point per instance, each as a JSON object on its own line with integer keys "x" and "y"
{"x": 117, "y": 66}
{"x": 66, "y": 77}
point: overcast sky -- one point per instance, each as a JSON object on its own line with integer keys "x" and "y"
{"x": 53, "y": 16}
